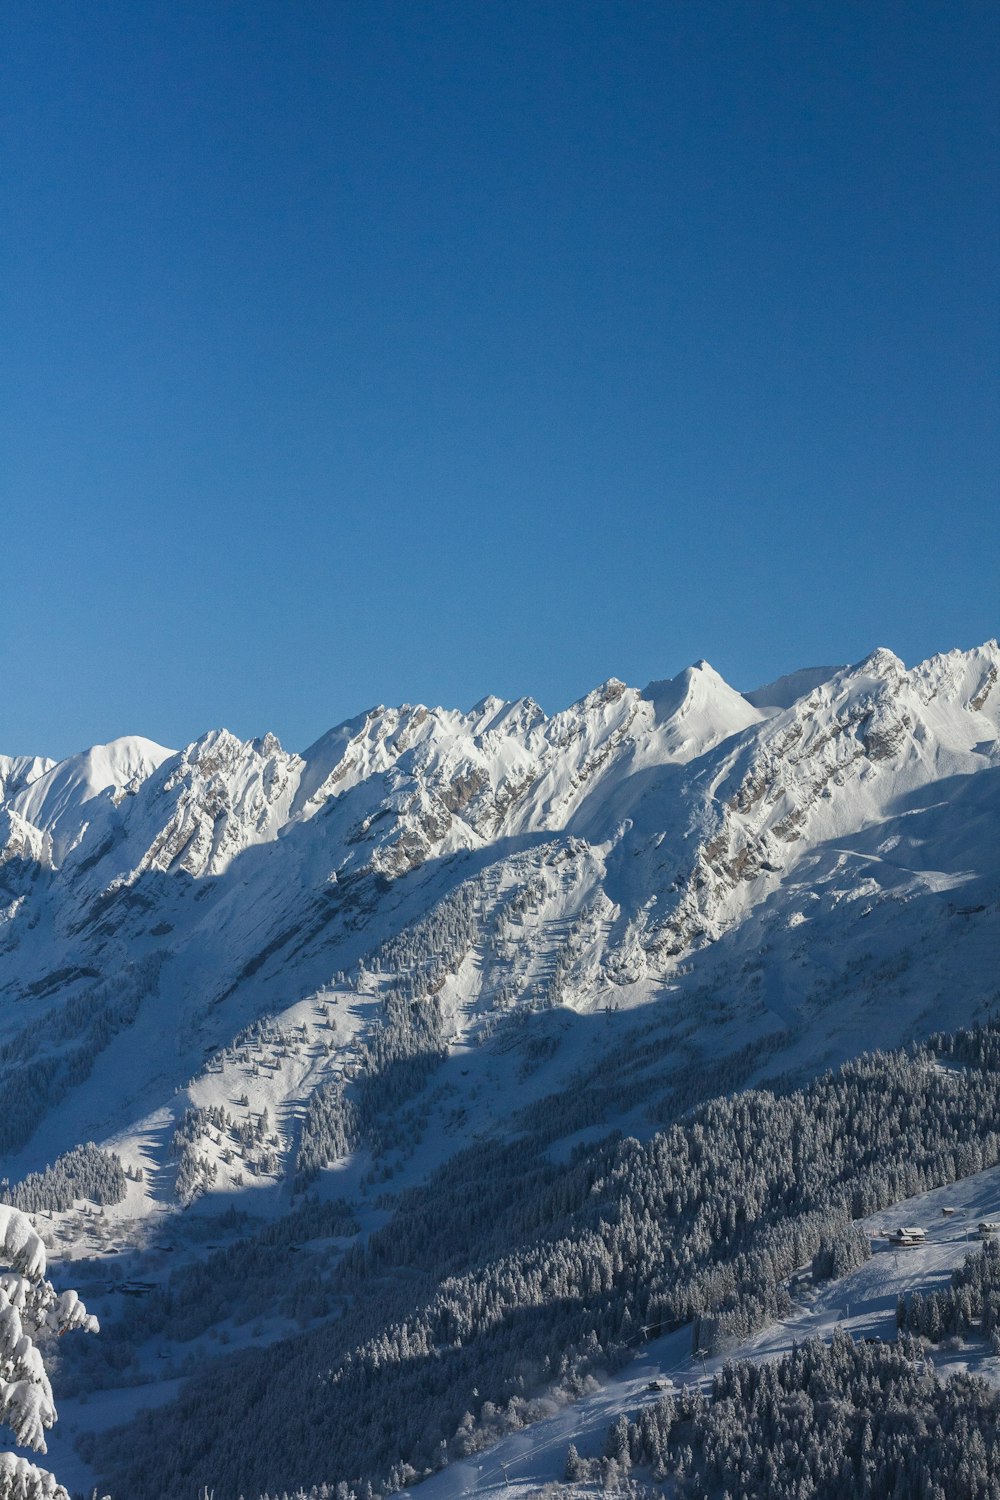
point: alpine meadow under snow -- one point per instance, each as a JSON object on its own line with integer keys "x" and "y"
{"x": 387, "y": 1099}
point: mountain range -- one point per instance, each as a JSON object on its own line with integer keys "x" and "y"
{"x": 400, "y": 939}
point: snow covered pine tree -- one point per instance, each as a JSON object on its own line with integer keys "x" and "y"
{"x": 31, "y": 1310}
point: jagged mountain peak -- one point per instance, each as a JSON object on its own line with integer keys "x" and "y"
{"x": 880, "y": 663}
{"x": 414, "y": 782}
{"x": 219, "y": 751}
{"x": 608, "y": 691}
{"x": 970, "y": 676}
{"x": 19, "y": 771}
{"x": 700, "y": 680}
{"x": 696, "y": 710}
{"x": 840, "y": 757}
{"x": 517, "y": 717}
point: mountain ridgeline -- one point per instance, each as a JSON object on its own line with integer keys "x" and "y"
{"x": 595, "y": 857}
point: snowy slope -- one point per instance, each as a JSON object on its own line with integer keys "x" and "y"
{"x": 784, "y": 691}
{"x": 639, "y": 847}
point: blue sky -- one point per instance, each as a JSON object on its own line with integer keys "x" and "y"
{"x": 380, "y": 351}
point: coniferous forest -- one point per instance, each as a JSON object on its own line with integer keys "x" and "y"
{"x": 508, "y": 1275}
{"x": 826, "y": 1421}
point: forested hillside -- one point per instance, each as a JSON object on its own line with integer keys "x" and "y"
{"x": 827, "y": 1421}
{"x": 506, "y": 1276}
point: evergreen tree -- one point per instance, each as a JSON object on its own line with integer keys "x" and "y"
{"x": 31, "y": 1314}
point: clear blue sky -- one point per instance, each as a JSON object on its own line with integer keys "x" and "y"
{"x": 358, "y": 352}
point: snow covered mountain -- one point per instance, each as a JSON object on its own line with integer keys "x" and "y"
{"x": 296, "y": 985}
{"x": 637, "y": 846}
